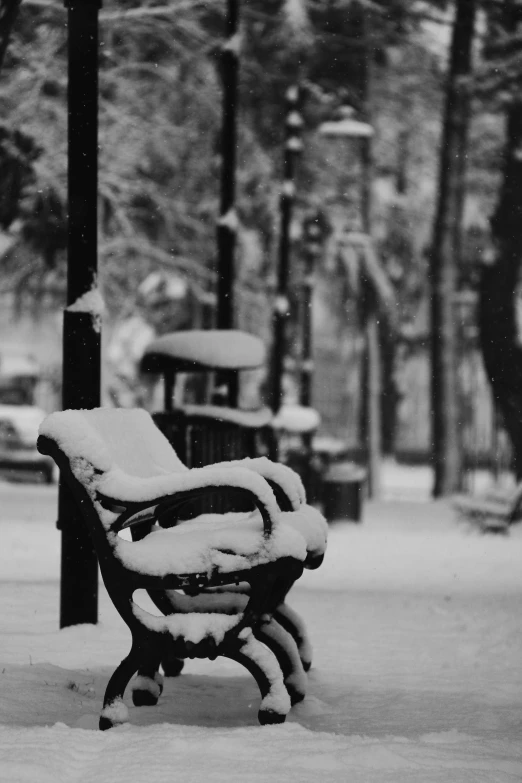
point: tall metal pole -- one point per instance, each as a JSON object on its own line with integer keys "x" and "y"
{"x": 81, "y": 328}
{"x": 313, "y": 234}
{"x": 227, "y": 223}
{"x": 293, "y": 148}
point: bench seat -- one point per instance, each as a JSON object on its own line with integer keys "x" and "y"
{"x": 210, "y": 544}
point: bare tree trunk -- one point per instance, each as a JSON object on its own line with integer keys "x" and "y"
{"x": 501, "y": 340}
{"x": 445, "y": 251}
{"x": 8, "y": 13}
{"x": 372, "y": 424}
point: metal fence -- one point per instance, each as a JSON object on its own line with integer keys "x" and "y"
{"x": 338, "y": 398}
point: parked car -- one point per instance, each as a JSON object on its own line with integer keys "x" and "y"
{"x": 18, "y": 433}
{"x": 20, "y": 419}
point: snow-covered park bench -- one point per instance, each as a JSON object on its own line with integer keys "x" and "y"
{"x": 493, "y": 512}
{"x": 203, "y": 434}
{"x": 220, "y": 580}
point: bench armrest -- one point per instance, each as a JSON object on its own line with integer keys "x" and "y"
{"x": 161, "y": 510}
{"x": 118, "y": 489}
{"x": 285, "y": 482}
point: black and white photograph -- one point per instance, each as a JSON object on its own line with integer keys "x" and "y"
{"x": 260, "y": 391}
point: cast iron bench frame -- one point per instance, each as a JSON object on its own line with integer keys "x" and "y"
{"x": 266, "y": 616}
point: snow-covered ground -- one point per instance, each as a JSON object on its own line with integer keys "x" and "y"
{"x": 416, "y": 622}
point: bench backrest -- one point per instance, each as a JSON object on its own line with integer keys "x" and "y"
{"x": 113, "y": 437}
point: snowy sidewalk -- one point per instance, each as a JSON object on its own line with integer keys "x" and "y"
{"x": 417, "y": 631}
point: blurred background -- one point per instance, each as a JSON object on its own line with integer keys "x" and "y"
{"x": 410, "y": 170}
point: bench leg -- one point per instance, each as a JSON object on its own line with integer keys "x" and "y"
{"x": 144, "y": 657}
{"x": 291, "y": 622}
{"x": 262, "y": 664}
{"x": 114, "y": 710}
{"x": 284, "y": 647}
{"x": 148, "y": 685}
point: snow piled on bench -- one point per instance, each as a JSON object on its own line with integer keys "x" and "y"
{"x": 309, "y": 523}
{"x": 244, "y": 418}
{"x": 289, "y": 481}
{"x": 137, "y": 462}
{"x": 135, "y": 459}
{"x": 123, "y": 486}
{"x": 277, "y": 698}
{"x": 228, "y": 349}
{"x": 110, "y": 437}
{"x": 296, "y": 419}
{"x": 193, "y": 627}
{"x": 224, "y": 542}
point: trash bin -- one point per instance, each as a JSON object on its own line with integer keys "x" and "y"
{"x": 343, "y": 489}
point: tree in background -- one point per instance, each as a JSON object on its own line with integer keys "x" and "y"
{"x": 445, "y": 256}
{"x": 159, "y": 115}
{"x": 8, "y": 12}
{"x": 500, "y": 283}
{"x": 159, "y": 122}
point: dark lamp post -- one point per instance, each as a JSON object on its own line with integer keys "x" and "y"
{"x": 228, "y": 223}
{"x": 293, "y": 149}
{"x": 314, "y": 231}
{"x": 227, "y": 226}
{"x": 81, "y": 324}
